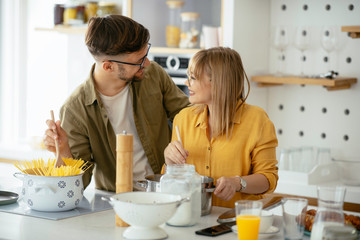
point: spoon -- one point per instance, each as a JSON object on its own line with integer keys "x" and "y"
{"x": 59, "y": 162}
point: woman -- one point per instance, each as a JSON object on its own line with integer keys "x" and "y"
{"x": 225, "y": 138}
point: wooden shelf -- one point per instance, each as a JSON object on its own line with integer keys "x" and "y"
{"x": 81, "y": 29}
{"x": 353, "y": 30}
{"x": 330, "y": 84}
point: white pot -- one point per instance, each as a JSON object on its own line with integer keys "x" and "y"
{"x": 51, "y": 194}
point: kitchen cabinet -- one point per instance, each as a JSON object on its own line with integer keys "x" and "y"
{"x": 329, "y": 84}
{"x": 353, "y": 30}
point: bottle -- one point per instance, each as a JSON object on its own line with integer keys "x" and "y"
{"x": 330, "y": 212}
{"x": 190, "y": 30}
{"x": 173, "y": 26}
{"x": 182, "y": 179}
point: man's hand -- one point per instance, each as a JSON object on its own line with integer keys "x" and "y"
{"x": 61, "y": 136}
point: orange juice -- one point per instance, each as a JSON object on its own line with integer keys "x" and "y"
{"x": 248, "y": 227}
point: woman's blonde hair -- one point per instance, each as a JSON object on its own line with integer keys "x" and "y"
{"x": 226, "y": 72}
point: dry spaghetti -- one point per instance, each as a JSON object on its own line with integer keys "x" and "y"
{"x": 39, "y": 167}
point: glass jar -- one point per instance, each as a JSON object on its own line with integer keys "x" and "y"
{"x": 90, "y": 10}
{"x": 70, "y": 14}
{"x": 182, "y": 179}
{"x": 106, "y": 8}
{"x": 330, "y": 212}
{"x": 190, "y": 30}
{"x": 173, "y": 26}
{"x": 58, "y": 14}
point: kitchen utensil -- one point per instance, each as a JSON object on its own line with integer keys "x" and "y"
{"x": 51, "y": 194}
{"x": 268, "y": 203}
{"x": 8, "y": 197}
{"x": 207, "y": 188}
{"x": 124, "y": 167}
{"x": 151, "y": 183}
{"x": 59, "y": 162}
{"x": 145, "y": 211}
{"x": 178, "y": 134}
{"x": 294, "y": 212}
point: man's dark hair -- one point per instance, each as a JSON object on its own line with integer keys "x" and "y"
{"x": 115, "y": 34}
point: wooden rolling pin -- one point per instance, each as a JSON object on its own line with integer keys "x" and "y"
{"x": 124, "y": 168}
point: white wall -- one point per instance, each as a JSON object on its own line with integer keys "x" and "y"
{"x": 253, "y": 22}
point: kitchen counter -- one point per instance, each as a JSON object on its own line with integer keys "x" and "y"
{"x": 101, "y": 225}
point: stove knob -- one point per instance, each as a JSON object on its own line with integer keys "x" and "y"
{"x": 173, "y": 63}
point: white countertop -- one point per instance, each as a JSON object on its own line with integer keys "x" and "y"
{"x": 100, "y": 225}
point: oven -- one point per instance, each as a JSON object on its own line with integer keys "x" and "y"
{"x": 175, "y": 65}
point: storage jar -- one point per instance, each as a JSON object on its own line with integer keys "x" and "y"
{"x": 182, "y": 179}
{"x": 173, "y": 26}
{"x": 190, "y": 30}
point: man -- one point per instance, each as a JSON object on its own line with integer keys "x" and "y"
{"x": 123, "y": 92}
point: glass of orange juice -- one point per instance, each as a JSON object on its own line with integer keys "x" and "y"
{"x": 248, "y": 219}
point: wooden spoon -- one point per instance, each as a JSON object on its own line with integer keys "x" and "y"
{"x": 59, "y": 162}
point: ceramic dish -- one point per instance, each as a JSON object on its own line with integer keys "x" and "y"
{"x": 8, "y": 197}
{"x": 270, "y": 232}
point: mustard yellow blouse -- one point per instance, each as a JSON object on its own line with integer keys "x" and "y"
{"x": 251, "y": 149}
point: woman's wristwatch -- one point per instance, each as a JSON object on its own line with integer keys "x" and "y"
{"x": 242, "y": 184}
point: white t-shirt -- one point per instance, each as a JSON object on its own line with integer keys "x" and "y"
{"x": 120, "y": 113}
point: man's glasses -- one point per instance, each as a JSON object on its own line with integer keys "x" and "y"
{"x": 136, "y": 64}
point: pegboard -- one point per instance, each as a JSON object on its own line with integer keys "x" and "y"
{"x": 309, "y": 115}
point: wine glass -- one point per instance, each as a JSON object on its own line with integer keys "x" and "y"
{"x": 329, "y": 40}
{"x": 280, "y": 42}
{"x": 302, "y": 42}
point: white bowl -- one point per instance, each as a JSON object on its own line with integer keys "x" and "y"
{"x": 266, "y": 220}
{"x": 145, "y": 211}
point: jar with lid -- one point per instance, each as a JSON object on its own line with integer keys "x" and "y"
{"x": 106, "y": 8}
{"x": 173, "y": 26}
{"x": 190, "y": 30}
{"x": 182, "y": 179}
{"x": 70, "y": 13}
{"x": 90, "y": 10}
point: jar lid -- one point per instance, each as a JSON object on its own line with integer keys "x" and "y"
{"x": 106, "y": 4}
{"x": 187, "y": 16}
{"x": 175, "y": 4}
{"x": 340, "y": 233}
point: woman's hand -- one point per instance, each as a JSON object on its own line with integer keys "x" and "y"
{"x": 226, "y": 187}
{"x": 175, "y": 153}
{"x": 60, "y": 135}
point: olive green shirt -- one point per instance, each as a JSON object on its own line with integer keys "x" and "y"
{"x": 155, "y": 99}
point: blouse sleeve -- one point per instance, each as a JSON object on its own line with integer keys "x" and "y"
{"x": 264, "y": 154}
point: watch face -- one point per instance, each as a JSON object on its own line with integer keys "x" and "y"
{"x": 243, "y": 184}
